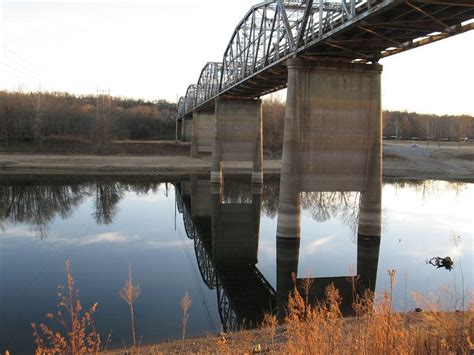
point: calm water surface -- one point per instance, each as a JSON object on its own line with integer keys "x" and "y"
{"x": 176, "y": 239}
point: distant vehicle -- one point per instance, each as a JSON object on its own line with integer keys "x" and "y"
{"x": 414, "y": 145}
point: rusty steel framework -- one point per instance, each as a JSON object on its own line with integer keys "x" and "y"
{"x": 364, "y": 31}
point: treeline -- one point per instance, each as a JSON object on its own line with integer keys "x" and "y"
{"x": 273, "y": 112}
{"x": 30, "y": 117}
{"x": 36, "y": 117}
{"x": 411, "y": 125}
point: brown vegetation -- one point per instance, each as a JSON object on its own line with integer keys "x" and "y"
{"x": 55, "y": 121}
{"x": 129, "y": 293}
{"x": 51, "y": 116}
{"x": 321, "y": 329}
{"x": 80, "y": 334}
{"x": 273, "y": 112}
{"x": 408, "y": 125}
{"x": 305, "y": 329}
{"x": 185, "y": 304}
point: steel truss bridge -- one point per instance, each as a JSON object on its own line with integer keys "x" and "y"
{"x": 254, "y": 61}
{"x": 232, "y": 307}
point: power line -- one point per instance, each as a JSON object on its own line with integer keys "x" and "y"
{"x": 24, "y": 59}
{"x": 22, "y": 73}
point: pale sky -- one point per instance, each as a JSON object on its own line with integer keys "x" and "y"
{"x": 153, "y": 49}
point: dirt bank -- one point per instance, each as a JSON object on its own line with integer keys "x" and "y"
{"x": 401, "y": 160}
{"x": 421, "y": 161}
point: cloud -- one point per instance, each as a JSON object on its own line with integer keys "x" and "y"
{"x": 166, "y": 244}
{"x": 312, "y": 247}
{"x": 111, "y": 237}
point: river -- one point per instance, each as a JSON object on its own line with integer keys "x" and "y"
{"x": 177, "y": 237}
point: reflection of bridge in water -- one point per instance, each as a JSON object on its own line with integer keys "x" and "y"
{"x": 226, "y": 235}
{"x": 225, "y": 239}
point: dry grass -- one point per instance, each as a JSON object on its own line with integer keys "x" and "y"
{"x": 321, "y": 329}
{"x": 129, "y": 293}
{"x": 304, "y": 329}
{"x": 78, "y": 326}
{"x": 185, "y": 304}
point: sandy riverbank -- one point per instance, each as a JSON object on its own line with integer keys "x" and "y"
{"x": 401, "y": 160}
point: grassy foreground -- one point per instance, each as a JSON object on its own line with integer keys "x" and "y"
{"x": 322, "y": 330}
{"x": 304, "y": 328}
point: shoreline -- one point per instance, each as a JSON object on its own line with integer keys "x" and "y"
{"x": 400, "y": 161}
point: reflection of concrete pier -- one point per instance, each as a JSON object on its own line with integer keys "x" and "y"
{"x": 364, "y": 277}
{"x": 226, "y": 246}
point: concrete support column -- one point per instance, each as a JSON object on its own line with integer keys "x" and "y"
{"x": 257, "y": 170}
{"x": 216, "y": 163}
{"x": 194, "y": 137}
{"x": 332, "y": 133}
{"x": 186, "y": 129}
{"x": 183, "y": 129}
{"x": 370, "y": 204}
{"x": 331, "y": 142}
{"x": 237, "y": 136}
{"x": 201, "y": 141}
{"x": 289, "y": 205}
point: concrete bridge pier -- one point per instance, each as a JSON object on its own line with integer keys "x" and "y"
{"x": 186, "y": 129}
{"x": 237, "y": 136}
{"x": 202, "y": 126}
{"x": 331, "y": 142}
{"x": 332, "y": 133}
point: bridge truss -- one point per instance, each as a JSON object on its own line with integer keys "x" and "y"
{"x": 363, "y": 31}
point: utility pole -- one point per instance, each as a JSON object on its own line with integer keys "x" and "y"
{"x": 176, "y": 121}
{"x": 102, "y": 115}
{"x": 37, "y": 119}
{"x": 427, "y": 127}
